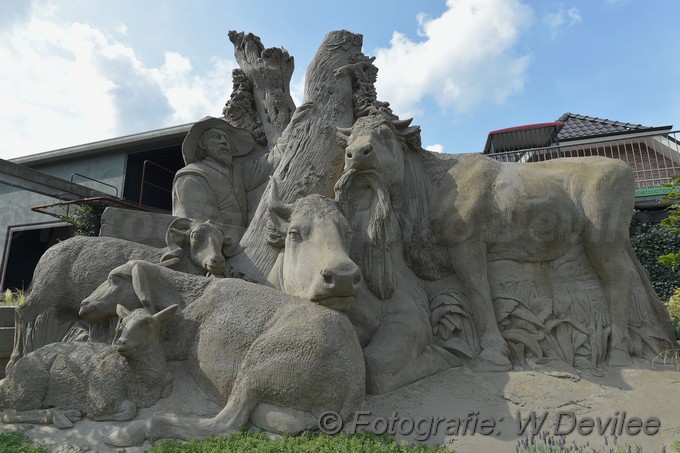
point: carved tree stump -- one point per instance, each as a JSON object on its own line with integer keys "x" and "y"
{"x": 311, "y": 158}
{"x": 269, "y": 70}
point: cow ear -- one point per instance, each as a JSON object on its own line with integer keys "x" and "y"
{"x": 280, "y": 216}
{"x": 122, "y": 311}
{"x": 276, "y": 206}
{"x": 276, "y": 232}
{"x": 412, "y": 136}
{"x": 342, "y": 134}
{"x": 142, "y": 283}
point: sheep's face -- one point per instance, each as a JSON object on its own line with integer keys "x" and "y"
{"x": 138, "y": 328}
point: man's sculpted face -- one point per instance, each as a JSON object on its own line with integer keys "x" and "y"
{"x": 217, "y": 145}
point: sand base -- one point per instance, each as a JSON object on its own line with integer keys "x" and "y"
{"x": 482, "y": 408}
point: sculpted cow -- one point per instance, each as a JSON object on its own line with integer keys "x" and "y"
{"x": 457, "y": 214}
{"x": 276, "y": 360}
{"x": 72, "y": 269}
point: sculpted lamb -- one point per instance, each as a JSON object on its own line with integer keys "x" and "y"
{"x": 60, "y": 382}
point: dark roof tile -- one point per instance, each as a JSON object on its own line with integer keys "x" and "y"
{"x": 578, "y": 126}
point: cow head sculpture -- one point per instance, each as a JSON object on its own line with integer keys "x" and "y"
{"x": 377, "y": 143}
{"x": 314, "y": 264}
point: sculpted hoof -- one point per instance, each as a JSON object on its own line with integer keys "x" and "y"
{"x": 619, "y": 357}
{"x": 492, "y": 360}
{"x": 132, "y": 434}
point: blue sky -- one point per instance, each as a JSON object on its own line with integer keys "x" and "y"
{"x": 77, "y": 71}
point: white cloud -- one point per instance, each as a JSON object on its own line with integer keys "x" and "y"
{"x": 558, "y": 18}
{"x": 121, "y": 28}
{"x": 574, "y": 16}
{"x": 63, "y": 84}
{"x": 437, "y": 148}
{"x": 297, "y": 90}
{"x": 466, "y": 58}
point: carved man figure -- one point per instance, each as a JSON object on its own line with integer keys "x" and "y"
{"x": 213, "y": 184}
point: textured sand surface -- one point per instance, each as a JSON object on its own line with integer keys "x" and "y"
{"x": 479, "y": 402}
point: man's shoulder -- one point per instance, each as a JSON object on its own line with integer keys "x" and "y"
{"x": 195, "y": 168}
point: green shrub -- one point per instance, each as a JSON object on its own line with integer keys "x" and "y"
{"x": 18, "y": 442}
{"x": 650, "y": 242}
{"x": 13, "y": 298}
{"x": 86, "y": 220}
{"x": 255, "y": 441}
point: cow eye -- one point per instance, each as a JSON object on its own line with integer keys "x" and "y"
{"x": 295, "y": 235}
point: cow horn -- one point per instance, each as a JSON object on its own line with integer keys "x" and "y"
{"x": 344, "y": 130}
{"x": 276, "y": 206}
{"x": 400, "y": 124}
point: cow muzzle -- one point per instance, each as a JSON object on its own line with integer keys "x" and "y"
{"x": 336, "y": 287}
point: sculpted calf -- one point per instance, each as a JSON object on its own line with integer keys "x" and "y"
{"x": 276, "y": 360}
{"x": 457, "y": 214}
{"x": 72, "y": 269}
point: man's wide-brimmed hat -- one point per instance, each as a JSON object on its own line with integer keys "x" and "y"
{"x": 241, "y": 140}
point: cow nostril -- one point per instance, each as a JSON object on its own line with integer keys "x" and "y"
{"x": 349, "y": 155}
{"x": 367, "y": 151}
{"x": 327, "y": 277}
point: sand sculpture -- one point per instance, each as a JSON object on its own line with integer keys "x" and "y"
{"x": 373, "y": 263}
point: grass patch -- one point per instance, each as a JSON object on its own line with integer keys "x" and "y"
{"x": 18, "y": 441}
{"x": 255, "y": 441}
{"x": 13, "y": 298}
{"x": 545, "y": 443}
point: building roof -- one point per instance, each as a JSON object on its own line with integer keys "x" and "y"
{"x": 582, "y": 126}
{"x": 522, "y": 137}
{"x": 141, "y": 141}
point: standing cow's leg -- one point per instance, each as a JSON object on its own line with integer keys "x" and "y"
{"x": 469, "y": 264}
{"x": 400, "y": 352}
{"x": 613, "y": 266}
{"x": 605, "y": 238}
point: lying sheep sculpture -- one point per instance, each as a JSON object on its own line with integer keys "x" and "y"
{"x": 60, "y": 382}
{"x": 72, "y": 269}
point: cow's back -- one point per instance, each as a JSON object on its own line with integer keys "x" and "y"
{"x": 463, "y": 206}
{"x": 602, "y": 188}
{"x": 289, "y": 348}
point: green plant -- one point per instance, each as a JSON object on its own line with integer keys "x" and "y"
{"x": 255, "y": 441}
{"x": 86, "y": 220}
{"x": 18, "y": 441}
{"x": 13, "y": 298}
{"x": 546, "y": 443}
{"x": 673, "y": 306}
{"x": 649, "y": 242}
{"x": 676, "y": 445}
{"x": 672, "y": 222}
